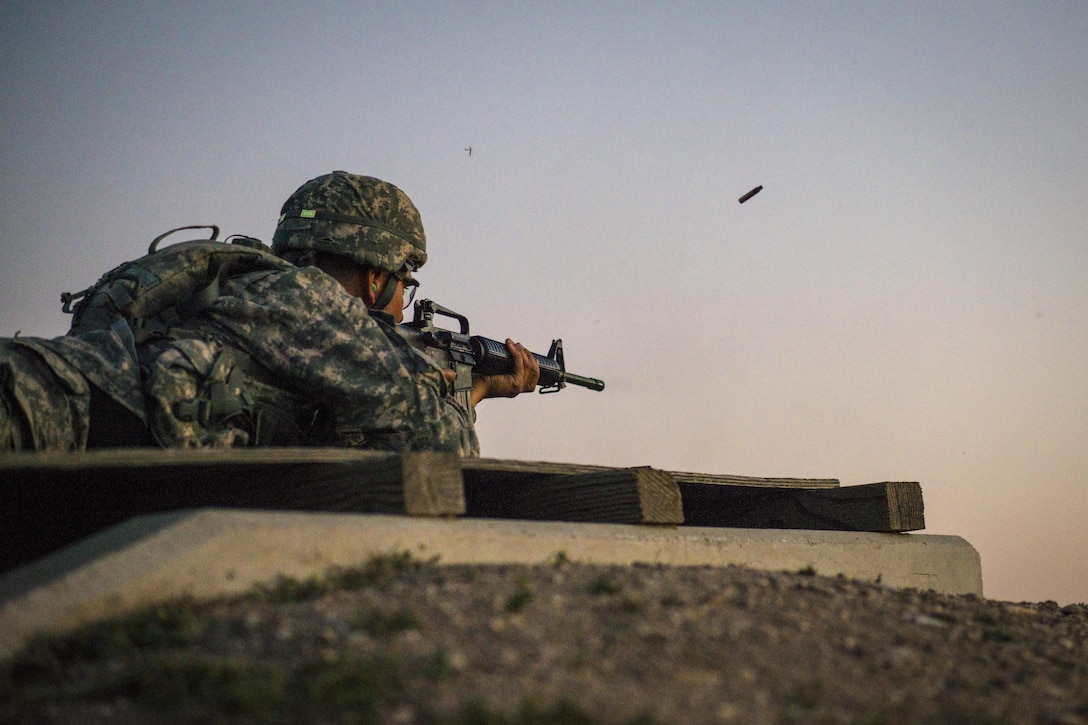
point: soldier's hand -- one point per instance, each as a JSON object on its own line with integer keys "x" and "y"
{"x": 522, "y": 379}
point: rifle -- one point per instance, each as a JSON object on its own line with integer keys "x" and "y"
{"x": 474, "y": 354}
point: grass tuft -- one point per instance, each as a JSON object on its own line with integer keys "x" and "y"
{"x": 170, "y": 624}
{"x": 286, "y": 590}
{"x": 565, "y": 712}
{"x": 385, "y": 622}
{"x": 604, "y": 584}
{"x": 201, "y": 687}
{"x": 353, "y": 686}
{"x": 520, "y": 597}
{"x": 377, "y": 570}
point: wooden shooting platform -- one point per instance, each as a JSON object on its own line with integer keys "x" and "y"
{"x": 52, "y": 500}
{"x": 92, "y": 535}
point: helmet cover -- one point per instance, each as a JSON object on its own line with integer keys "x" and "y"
{"x": 362, "y": 218}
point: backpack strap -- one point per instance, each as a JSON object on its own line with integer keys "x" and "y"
{"x": 190, "y": 305}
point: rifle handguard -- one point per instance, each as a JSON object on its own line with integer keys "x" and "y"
{"x": 492, "y": 358}
{"x": 484, "y": 355}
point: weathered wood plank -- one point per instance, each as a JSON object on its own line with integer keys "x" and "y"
{"x": 432, "y": 484}
{"x": 615, "y": 495}
{"x": 285, "y": 478}
{"x": 885, "y": 507}
{"x": 128, "y": 457}
{"x": 754, "y": 481}
{"x": 501, "y": 469}
{"x": 906, "y": 507}
{"x": 48, "y": 501}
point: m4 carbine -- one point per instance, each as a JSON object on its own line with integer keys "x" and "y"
{"x": 468, "y": 354}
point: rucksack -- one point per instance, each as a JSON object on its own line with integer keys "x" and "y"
{"x": 168, "y": 285}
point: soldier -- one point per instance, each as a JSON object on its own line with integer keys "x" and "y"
{"x": 307, "y": 354}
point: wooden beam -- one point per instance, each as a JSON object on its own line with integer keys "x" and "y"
{"x": 885, "y": 507}
{"x": 501, "y": 469}
{"x": 311, "y": 479}
{"x": 50, "y": 500}
{"x": 613, "y": 495}
{"x": 718, "y": 479}
{"x": 432, "y": 484}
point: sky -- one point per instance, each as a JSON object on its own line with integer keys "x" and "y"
{"x": 904, "y": 300}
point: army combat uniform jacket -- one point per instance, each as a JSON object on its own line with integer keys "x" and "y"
{"x": 308, "y": 360}
{"x": 287, "y": 357}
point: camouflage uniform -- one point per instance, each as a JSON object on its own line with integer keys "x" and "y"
{"x": 297, "y": 360}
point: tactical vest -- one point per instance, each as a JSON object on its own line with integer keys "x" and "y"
{"x": 156, "y": 294}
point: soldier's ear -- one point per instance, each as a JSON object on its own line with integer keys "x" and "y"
{"x": 372, "y": 286}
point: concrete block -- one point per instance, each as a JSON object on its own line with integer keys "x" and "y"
{"x": 209, "y": 552}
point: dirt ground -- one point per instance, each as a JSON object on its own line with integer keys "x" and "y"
{"x": 399, "y": 641}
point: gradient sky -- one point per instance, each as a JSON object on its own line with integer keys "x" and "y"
{"x": 905, "y": 300}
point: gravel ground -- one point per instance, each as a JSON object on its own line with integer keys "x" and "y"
{"x": 397, "y": 641}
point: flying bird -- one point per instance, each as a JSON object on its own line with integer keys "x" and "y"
{"x": 469, "y": 149}
{"x": 750, "y": 194}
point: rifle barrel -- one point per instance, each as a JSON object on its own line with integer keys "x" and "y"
{"x": 591, "y": 383}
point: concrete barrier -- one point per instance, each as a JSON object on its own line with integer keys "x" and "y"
{"x": 210, "y": 552}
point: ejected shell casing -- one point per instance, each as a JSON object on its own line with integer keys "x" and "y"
{"x": 750, "y": 194}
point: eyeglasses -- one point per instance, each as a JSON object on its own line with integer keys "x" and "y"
{"x": 410, "y": 286}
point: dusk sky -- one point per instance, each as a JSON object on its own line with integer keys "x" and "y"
{"x": 906, "y": 299}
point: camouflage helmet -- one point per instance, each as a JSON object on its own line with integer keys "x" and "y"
{"x": 367, "y": 220}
